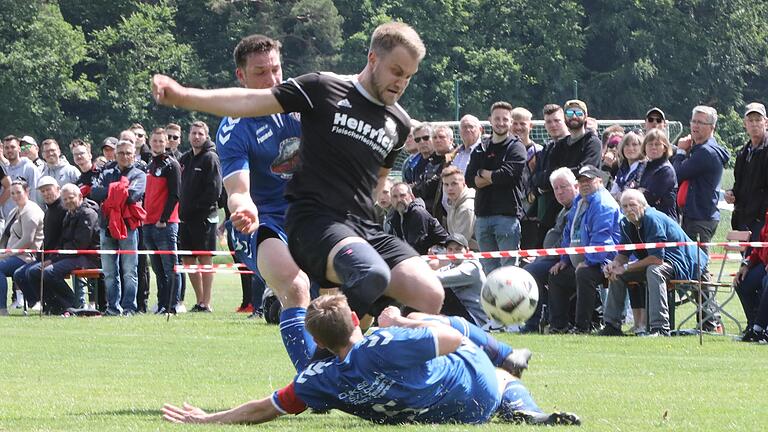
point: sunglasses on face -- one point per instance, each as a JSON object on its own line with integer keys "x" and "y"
{"x": 173, "y": 137}
{"x": 140, "y": 135}
{"x": 421, "y": 138}
{"x": 654, "y": 120}
{"x": 574, "y": 112}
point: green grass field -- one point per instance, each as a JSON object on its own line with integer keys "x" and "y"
{"x": 113, "y": 374}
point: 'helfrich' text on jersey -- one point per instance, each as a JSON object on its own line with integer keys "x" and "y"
{"x": 347, "y": 136}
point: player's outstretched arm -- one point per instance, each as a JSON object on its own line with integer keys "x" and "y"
{"x": 231, "y": 102}
{"x": 256, "y": 411}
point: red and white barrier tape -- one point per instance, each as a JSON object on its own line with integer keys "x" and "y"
{"x": 580, "y": 250}
{"x": 237, "y": 268}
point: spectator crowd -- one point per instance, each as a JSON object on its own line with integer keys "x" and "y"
{"x": 474, "y": 192}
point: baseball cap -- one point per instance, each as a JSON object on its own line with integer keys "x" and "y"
{"x": 47, "y": 181}
{"x": 578, "y": 103}
{"x": 110, "y": 142}
{"x": 458, "y": 238}
{"x": 656, "y": 110}
{"x": 755, "y": 107}
{"x": 29, "y": 140}
{"x": 589, "y": 171}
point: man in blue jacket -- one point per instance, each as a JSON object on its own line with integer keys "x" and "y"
{"x": 653, "y": 268}
{"x": 701, "y": 167}
{"x": 592, "y": 221}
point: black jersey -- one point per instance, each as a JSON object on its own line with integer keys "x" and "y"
{"x": 347, "y": 136}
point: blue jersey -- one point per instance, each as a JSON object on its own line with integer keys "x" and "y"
{"x": 267, "y": 148}
{"x": 395, "y": 375}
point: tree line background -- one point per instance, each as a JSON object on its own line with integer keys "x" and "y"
{"x": 74, "y": 68}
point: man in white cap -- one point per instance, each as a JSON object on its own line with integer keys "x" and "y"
{"x": 31, "y": 151}
{"x": 750, "y": 186}
{"x": 655, "y": 119}
{"x": 49, "y": 190}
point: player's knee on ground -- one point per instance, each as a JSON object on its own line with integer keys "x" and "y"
{"x": 363, "y": 273}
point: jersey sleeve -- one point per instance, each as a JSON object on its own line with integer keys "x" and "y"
{"x": 402, "y": 347}
{"x": 295, "y": 94}
{"x": 287, "y": 401}
{"x": 232, "y": 141}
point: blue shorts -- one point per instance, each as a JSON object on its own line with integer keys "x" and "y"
{"x": 246, "y": 246}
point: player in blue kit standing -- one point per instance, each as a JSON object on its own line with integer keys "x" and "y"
{"x": 352, "y": 132}
{"x": 416, "y": 369}
{"x": 258, "y": 156}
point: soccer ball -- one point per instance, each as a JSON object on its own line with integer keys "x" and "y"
{"x": 509, "y": 295}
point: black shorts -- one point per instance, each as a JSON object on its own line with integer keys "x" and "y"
{"x": 313, "y": 231}
{"x": 197, "y": 235}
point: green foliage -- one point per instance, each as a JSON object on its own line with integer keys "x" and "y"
{"x": 73, "y": 68}
{"x": 36, "y": 73}
{"x": 124, "y": 58}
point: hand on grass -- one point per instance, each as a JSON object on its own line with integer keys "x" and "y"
{"x": 186, "y": 414}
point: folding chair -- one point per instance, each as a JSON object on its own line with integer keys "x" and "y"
{"x": 691, "y": 289}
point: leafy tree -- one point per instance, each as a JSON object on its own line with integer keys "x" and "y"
{"x": 673, "y": 54}
{"x": 124, "y": 58}
{"x": 36, "y": 78}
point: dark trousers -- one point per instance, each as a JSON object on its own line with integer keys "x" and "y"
{"x": 577, "y": 291}
{"x": 539, "y": 269}
{"x": 57, "y": 294}
{"x": 142, "y": 293}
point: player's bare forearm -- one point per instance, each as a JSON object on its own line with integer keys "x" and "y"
{"x": 244, "y": 214}
{"x": 256, "y": 411}
{"x": 232, "y": 102}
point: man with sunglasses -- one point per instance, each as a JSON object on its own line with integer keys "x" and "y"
{"x": 417, "y": 162}
{"x": 143, "y": 152}
{"x": 31, "y": 151}
{"x": 580, "y": 147}
{"x": 655, "y": 119}
{"x": 173, "y": 131}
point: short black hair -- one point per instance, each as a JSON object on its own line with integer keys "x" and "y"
{"x": 255, "y": 43}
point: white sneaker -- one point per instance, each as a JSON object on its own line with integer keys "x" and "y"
{"x": 19, "y": 303}
{"x": 180, "y": 308}
{"x": 155, "y": 308}
{"x": 37, "y": 307}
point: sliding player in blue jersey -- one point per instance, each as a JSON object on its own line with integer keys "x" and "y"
{"x": 417, "y": 369}
{"x": 258, "y": 156}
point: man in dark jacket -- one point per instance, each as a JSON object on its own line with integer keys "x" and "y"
{"x": 701, "y": 167}
{"x": 198, "y": 209}
{"x": 495, "y": 170}
{"x": 79, "y": 231}
{"x": 750, "y": 186}
{"x": 49, "y": 190}
{"x": 121, "y": 292}
{"x": 412, "y": 222}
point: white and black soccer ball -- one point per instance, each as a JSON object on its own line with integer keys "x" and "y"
{"x": 509, "y": 295}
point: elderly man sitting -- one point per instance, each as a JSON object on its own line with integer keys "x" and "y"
{"x": 592, "y": 221}
{"x": 654, "y": 267}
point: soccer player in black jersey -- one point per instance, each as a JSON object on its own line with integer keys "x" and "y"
{"x": 352, "y": 131}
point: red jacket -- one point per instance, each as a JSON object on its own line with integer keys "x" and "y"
{"x": 121, "y": 216}
{"x": 760, "y": 255}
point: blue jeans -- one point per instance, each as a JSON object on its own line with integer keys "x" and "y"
{"x": 163, "y": 239}
{"x": 23, "y": 282}
{"x": 494, "y": 233}
{"x": 120, "y": 298}
{"x": 7, "y": 267}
